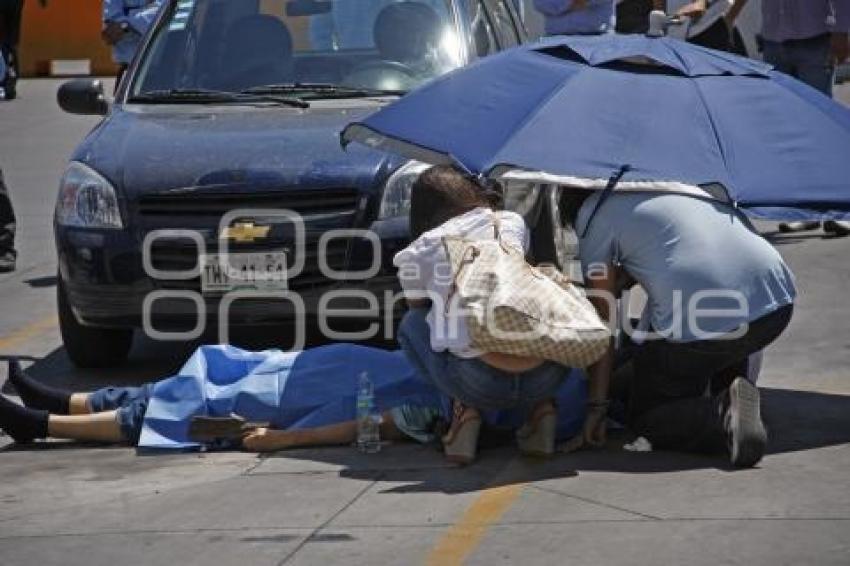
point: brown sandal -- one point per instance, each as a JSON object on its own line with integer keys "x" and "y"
{"x": 537, "y": 436}
{"x": 460, "y": 443}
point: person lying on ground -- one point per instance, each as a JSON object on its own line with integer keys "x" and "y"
{"x": 433, "y": 333}
{"x": 308, "y": 399}
{"x": 717, "y": 293}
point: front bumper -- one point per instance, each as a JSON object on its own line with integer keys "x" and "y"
{"x": 106, "y": 284}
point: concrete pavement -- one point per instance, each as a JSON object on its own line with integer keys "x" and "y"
{"x": 64, "y": 503}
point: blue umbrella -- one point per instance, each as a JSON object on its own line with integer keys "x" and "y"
{"x": 667, "y": 114}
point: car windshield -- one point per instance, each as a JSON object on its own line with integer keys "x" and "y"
{"x": 317, "y": 48}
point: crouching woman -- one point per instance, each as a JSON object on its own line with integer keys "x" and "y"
{"x": 446, "y": 202}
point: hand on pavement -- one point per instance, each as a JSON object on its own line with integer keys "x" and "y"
{"x": 594, "y": 432}
{"x": 259, "y": 440}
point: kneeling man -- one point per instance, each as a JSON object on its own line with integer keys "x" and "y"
{"x": 717, "y": 292}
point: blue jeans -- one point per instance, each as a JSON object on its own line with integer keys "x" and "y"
{"x": 129, "y": 403}
{"x": 805, "y": 59}
{"x": 471, "y": 381}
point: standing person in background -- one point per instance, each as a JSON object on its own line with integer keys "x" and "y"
{"x": 2, "y": 77}
{"x": 633, "y": 15}
{"x": 807, "y": 39}
{"x": 713, "y": 17}
{"x": 576, "y": 17}
{"x": 8, "y": 255}
{"x": 125, "y": 23}
{"x": 10, "y": 35}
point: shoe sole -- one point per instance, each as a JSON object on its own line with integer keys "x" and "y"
{"x": 749, "y": 436}
{"x": 834, "y": 228}
{"x": 803, "y": 227}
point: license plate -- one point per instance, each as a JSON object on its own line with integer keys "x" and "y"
{"x": 264, "y": 271}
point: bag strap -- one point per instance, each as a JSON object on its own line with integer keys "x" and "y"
{"x": 497, "y": 232}
{"x": 464, "y": 261}
{"x": 609, "y": 188}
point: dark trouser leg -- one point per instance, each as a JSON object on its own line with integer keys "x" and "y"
{"x": 633, "y": 16}
{"x": 775, "y": 54}
{"x": 807, "y": 60}
{"x": 780, "y": 55}
{"x": 717, "y": 36}
{"x": 11, "y": 12}
{"x": 670, "y": 402}
{"x": 812, "y": 61}
{"x": 7, "y": 221}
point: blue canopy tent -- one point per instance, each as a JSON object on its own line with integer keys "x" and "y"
{"x": 575, "y": 110}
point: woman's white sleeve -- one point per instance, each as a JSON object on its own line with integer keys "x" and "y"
{"x": 514, "y": 231}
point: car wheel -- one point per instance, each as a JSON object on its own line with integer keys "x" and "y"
{"x": 91, "y": 347}
{"x": 554, "y": 240}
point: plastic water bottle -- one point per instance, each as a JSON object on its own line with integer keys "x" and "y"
{"x": 368, "y": 420}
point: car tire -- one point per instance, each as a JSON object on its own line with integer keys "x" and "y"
{"x": 89, "y": 347}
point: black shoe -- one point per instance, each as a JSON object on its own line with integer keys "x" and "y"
{"x": 745, "y": 431}
{"x": 22, "y": 424}
{"x": 799, "y": 226}
{"x": 37, "y": 395}
{"x": 7, "y": 262}
{"x": 837, "y": 227}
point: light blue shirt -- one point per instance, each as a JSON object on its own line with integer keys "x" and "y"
{"x": 561, "y": 19}
{"x": 686, "y": 252}
{"x": 139, "y": 14}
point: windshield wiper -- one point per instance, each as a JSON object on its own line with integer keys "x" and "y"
{"x": 188, "y": 96}
{"x": 324, "y": 90}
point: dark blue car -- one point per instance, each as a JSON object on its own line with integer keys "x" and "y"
{"x": 223, "y": 129}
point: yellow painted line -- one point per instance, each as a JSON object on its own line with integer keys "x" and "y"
{"x": 462, "y": 538}
{"x": 19, "y": 337}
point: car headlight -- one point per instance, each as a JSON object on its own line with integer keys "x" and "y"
{"x": 87, "y": 200}
{"x": 396, "y": 199}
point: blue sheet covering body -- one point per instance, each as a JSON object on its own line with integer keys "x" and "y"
{"x": 296, "y": 390}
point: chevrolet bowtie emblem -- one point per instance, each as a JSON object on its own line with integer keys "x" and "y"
{"x": 244, "y": 232}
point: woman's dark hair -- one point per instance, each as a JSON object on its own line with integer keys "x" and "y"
{"x": 443, "y": 192}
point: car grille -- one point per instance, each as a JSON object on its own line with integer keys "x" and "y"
{"x": 321, "y": 210}
{"x": 214, "y": 206}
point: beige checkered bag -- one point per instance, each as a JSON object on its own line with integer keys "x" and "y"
{"x": 512, "y": 307}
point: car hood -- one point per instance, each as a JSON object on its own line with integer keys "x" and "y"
{"x": 147, "y": 149}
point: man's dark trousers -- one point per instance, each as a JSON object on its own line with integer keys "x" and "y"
{"x": 671, "y": 401}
